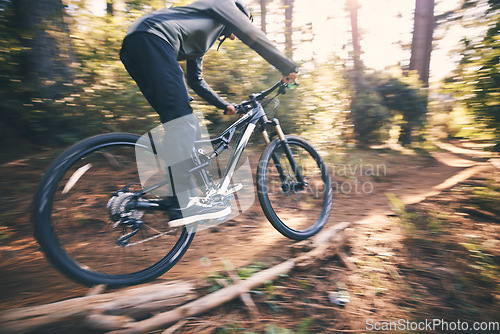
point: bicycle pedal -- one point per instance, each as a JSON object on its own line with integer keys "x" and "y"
{"x": 234, "y": 188}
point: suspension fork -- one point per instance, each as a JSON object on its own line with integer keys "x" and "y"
{"x": 288, "y": 152}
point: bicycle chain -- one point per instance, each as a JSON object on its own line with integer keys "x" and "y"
{"x": 148, "y": 239}
{"x": 151, "y": 238}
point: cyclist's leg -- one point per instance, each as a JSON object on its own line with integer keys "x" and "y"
{"x": 178, "y": 143}
{"x": 152, "y": 63}
{"x": 178, "y": 148}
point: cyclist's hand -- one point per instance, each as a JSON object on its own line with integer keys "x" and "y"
{"x": 230, "y": 110}
{"x": 292, "y": 77}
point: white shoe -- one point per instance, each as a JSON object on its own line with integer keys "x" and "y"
{"x": 196, "y": 211}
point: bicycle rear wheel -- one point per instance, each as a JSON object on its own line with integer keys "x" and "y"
{"x": 74, "y": 222}
{"x": 297, "y": 210}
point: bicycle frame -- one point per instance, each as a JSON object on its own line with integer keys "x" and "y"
{"x": 247, "y": 121}
{"x": 253, "y": 115}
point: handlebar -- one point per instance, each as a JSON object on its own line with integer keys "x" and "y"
{"x": 246, "y": 105}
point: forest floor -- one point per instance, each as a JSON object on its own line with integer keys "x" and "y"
{"x": 424, "y": 241}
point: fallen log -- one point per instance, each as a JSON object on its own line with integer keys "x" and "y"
{"x": 123, "y": 306}
{"x": 245, "y": 297}
{"x": 323, "y": 244}
{"x": 208, "y": 302}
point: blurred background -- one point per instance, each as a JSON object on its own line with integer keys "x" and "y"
{"x": 411, "y": 86}
{"x": 370, "y": 71}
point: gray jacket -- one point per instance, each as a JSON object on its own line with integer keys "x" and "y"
{"x": 193, "y": 29}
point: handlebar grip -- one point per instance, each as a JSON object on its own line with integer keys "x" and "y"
{"x": 242, "y": 107}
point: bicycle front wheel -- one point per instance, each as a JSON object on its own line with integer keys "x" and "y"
{"x": 74, "y": 207}
{"x": 297, "y": 206}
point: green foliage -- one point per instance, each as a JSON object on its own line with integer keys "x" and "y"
{"x": 485, "y": 100}
{"x": 404, "y": 216}
{"x": 216, "y": 279}
{"x": 370, "y": 118}
{"x": 486, "y": 197}
{"x": 273, "y": 329}
{"x": 377, "y": 98}
{"x": 476, "y": 81}
{"x": 413, "y": 222}
{"x": 407, "y": 99}
{"x": 11, "y": 89}
{"x": 3, "y": 232}
{"x": 484, "y": 261}
{"x": 251, "y": 269}
{"x": 302, "y": 328}
{"x": 317, "y": 110}
{"x": 101, "y": 98}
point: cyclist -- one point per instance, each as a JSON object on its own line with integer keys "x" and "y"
{"x": 150, "y": 52}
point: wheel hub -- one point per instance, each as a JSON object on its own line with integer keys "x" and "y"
{"x": 285, "y": 187}
{"x": 291, "y": 186}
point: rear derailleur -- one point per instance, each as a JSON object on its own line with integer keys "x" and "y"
{"x": 122, "y": 210}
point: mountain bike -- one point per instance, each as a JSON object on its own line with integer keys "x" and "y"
{"x": 98, "y": 224}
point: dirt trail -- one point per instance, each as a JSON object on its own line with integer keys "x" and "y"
{"x": 359, "y": 196}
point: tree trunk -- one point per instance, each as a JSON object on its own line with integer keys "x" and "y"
{"x": 353, "y": 14}
{"x": 406, "y": 133}
{"x": 358, "y": 114}
{"x": 46, "y": 62}
{"x": 288, "y": 27}
{"x": 263, "y": 15}
{"x": 421, "y": 45}
{"x": 110, "y": 10}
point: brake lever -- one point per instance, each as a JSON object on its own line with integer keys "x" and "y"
{"x": 243, "y": 107}
{"x": 284, "y": 86}
{"x": 282, "y": 89}
{"x": 292, "y": 85}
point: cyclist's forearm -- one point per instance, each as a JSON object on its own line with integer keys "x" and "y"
{"x": 226, "y": 12}
{"x": 202, "y": 89}
{"x": 200, "y": 86}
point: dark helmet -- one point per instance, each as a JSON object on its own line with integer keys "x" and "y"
{"x": 244, "y": 8}
{"x": 227, "y": 32}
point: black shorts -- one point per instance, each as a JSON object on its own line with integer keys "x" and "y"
{"x": 152, "y": 63}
